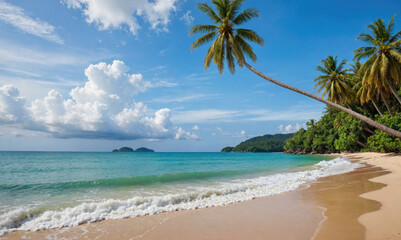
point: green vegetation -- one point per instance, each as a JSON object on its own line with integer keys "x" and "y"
{"x": 143, "y": 149}
{"x": 124, "y": 149}
{"x": 227, "y": 149}
{"x": 266, "y": 143}
{"x": 378, "y": 77}
{"x": 128, "y": 149}
{"x": 369, "y": 89}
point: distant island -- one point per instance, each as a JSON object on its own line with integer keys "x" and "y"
{"x": 128, "y": 149}
{"x": 265, "y": 143}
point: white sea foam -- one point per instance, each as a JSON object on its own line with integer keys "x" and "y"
{"x": 200, "y": 197}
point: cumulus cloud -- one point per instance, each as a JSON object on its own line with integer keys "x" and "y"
{"x": 195, "y": 128}
{"x": 289, "y": 128}
{"x": 103, "y": 108}
{"x": 17, "y": 17}
{"x": 114, "y": 14}
{"x": 244, "y": 133}
{"x": 12, "y": 106}
{"x": 187, "y": 18}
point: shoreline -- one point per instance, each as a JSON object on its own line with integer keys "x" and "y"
{"x": 254, "y": 219}
{"x": 386, "y": 222}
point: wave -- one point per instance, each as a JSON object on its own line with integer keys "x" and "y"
{"x": 219, "y": 194}
{"x": 129, "y": 181}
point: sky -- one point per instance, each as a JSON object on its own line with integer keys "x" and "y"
{"x": 94, "y": 75}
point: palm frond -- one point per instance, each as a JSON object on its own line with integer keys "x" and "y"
{"x": 202, "y": 29}
{"x": 384, "y": 65}
{"x": 250, "y": 35}
{"x": 202, "y": 40}
{"x": 209, "y": 11}
{"x": 222, "y": 7}
{"x": 246, "y": 48}
{"x": 245, "y": 16}
{"x": 234, "y": 7}
{"x": 363, "y": 52}
{"x": 239, "y": 55}
{"x": 366, "y": 38}
{"x": 219, "y": 55}
{"x": 230, "y": 57}
{"x": 210, "y": 52}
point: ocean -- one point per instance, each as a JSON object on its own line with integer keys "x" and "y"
{"x": 42, "y": 190}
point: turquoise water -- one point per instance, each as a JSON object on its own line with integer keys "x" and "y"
{"x": 86, "y": 187}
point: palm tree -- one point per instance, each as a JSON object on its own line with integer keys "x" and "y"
{"x": 382, "y": 70}
{"x": 230, "y": 44}
{"x": 335, "y": 81}
{"x": 356, "y": 79}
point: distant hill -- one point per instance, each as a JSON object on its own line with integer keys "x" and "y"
{"x": 128, "y": 149}
{"x": 265, "y": 143}
{"x": 144, "y": 149}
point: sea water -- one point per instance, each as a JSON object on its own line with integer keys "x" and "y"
{"x": 42, "y": 190}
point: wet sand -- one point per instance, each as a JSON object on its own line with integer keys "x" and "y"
{"x": 385, "y": 223}
{"x": 328, "y": 209}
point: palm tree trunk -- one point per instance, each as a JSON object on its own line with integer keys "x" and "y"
{"x": 355, "y": 114}
{"x": 377, "y": 109}
{"x": 345, "y": 103}
{"x": 394, "y": 92}
{"x": 368, "y": 130}
{"x": 356, "y": 140}
{"x": 385, "y": 103}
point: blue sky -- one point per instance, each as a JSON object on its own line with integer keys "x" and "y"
{"x": 85, "y": 75}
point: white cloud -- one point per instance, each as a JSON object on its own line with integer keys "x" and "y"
{"x": 11, "y": 105}
{"x": 259, "y": 115}
{"x": 206, "y": 115}
{"x": 114, "y": 14}
{"x": 181, "y": 134}
{"x": 195, "y": 128}
{"x": 17, "y": 17}
{"x": 289, "y": 128}
{"x": 244, "y": 133}
{"x": 164, "y": 84}
{"x": 103, "y": 108}
{"x": 14, "y": 55}
{"x": 187, "y": 18}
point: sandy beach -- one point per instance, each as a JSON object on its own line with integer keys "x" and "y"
{"x": 363, "y": 204}
{"x": 386, "y": 222}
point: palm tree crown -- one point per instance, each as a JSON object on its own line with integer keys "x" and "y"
{"x": 382, "y": 71}
{"x": 229, "y": 41}
{"x": 334, "y": 81}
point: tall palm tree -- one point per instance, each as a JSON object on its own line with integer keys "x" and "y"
{"x": 382, "y": 70}
{"x": 356, "y": 78}
{"x": 334, "y": 81}
{"x": 230, "y": 44}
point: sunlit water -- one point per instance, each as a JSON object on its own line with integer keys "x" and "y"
{"x": 41, "y": 190}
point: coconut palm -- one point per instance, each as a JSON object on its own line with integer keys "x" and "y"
{"x": 230, "y": 43}
{"x": 334, "y": 81}
{"x": 356, "y": 78}
{"x": 382, "y": 70}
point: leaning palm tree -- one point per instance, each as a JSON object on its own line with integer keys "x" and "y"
{"x": 382, "y": 70}
{"x": 230, "y": 44}
{"x": 334, "y": 82}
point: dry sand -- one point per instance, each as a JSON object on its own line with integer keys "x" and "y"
{"x": 331, "y": 208}
{"x": 385, "y": 223}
